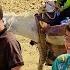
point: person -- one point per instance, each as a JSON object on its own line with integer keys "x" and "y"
{"x": 56, "y": 11}
{"x": 10, "y": 49}
{"x": 62, "y": 62}
{"x": 47, "y": 13}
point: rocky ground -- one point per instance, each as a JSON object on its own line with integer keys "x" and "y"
{"x": 20, "y": 7}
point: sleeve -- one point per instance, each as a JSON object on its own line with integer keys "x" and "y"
{"x": 14, "y": 54}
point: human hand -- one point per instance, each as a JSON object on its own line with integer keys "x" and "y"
{"x": 43, "y": 24}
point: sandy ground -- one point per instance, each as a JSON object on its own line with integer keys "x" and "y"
{"x": 30, "y": 53}
{"x": 21, "y": 6}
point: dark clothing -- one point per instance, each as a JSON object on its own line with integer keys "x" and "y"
{"x": 10, "y": 51}
{"x": 57, "y": 20}
{"x": 62, "y": 16}
{"x": 46, "y": 19}
{"x": 66, "y": 12}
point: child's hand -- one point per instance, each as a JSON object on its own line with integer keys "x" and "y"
{"x": 43, "y": 24}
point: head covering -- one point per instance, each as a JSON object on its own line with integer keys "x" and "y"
{"x": 50, "y": 5}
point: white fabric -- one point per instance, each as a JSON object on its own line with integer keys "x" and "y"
{"x": 66, "y": 21}
{"x": 4, "y": 19}
{"x": 50, "y": 8}
{"x": 25, "y": 26}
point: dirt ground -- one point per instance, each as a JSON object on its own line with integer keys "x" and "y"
{"x": 21, "y": 6}
{"x": 30, "y": 53}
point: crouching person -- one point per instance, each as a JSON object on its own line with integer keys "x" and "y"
{"x": 10, "y": 51}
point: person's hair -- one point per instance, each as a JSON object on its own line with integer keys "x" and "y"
{"x": 68, "y": 28}
{"x": 1, "y": 12}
